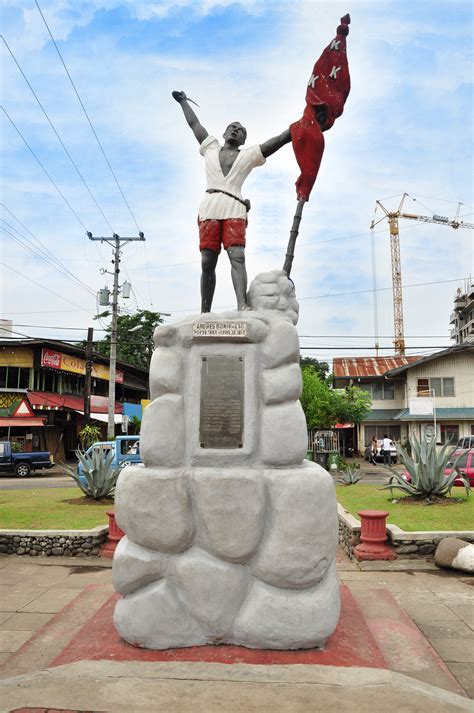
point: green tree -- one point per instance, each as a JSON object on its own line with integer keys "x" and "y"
{"x": 320, "y": 367}
{"x": 318, "y": 400}
{"x": 353, "y": 404}
{"x": 324, "y": 406}
{"x": 134, "y": 346}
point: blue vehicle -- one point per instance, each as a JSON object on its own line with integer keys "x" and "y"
{"x": 22, "y": 463}
{"x": 126, "y": 449}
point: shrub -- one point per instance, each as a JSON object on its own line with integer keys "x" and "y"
{"x": 88, "y": 435}
{"x": 349, "y": 476}
{"x": 426, "y": 469}
{"x": 101, "y": 476}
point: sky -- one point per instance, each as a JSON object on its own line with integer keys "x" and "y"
{"x": 134, "y": 164}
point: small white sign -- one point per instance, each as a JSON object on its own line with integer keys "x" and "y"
{"x": 421, "y": 406}
{"x": 125, "y": 422}
{"x": 220, "y": 329}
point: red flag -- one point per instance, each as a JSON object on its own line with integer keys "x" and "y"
{"x": 327, "y": 91}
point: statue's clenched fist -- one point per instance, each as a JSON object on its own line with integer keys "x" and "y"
{"x": 179, "y": 96}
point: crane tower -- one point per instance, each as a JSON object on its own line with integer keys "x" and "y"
{"x": 393, "y": 217}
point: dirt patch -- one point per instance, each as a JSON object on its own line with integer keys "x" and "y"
{"x": 89, "y": 501}
{"x": 414, "y": 500}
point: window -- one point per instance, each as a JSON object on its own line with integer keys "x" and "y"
{"x": 379, "y": 390}
{"x": 460, "y": 461}
{"x": 392, "y": 432}
{"x": 437, "y": 385}
{"x": 449, "y": 433}
{"x": 423, "y": 387}
{"x": 14, "y": 377}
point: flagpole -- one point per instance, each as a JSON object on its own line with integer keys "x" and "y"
{"x": 290, "y": 250}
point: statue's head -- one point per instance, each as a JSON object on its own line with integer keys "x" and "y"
{"x": 235, "y": 134}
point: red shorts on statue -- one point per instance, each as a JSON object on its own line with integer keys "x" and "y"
{"x": 228, "y": 232}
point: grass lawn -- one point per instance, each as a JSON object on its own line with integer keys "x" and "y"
{"x": 47, "y": 509}
{"x": 409, "y": 516}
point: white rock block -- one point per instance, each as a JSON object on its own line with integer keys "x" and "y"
{"x": 154, "y": 618}
{"x": 281, "y": 384}
{"x": 166, "y": 372}
{"x": 165, "y": 335}
{"x": 230, "y": 505}
{"x": 281, "y": 346}
{"x": 153, "y": 506}
{"x": 286, "y": 286}
{"x": 212, "y": 591}
{"x": 135, "y": 566}
{"x": 273, "y": 618}
{"x": 162, "y": 432}
{"x": 301, "y": 537}
{"x": 283, "y": 439}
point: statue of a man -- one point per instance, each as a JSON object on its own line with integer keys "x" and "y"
{"x": 223, "y": 211}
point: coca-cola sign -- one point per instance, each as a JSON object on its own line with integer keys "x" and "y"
{"x": 51, "y": 358}
{"x": 67, "y": 362}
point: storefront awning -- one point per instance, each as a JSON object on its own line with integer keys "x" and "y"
{"x": 25, "y": 422}
{"x": 54, "y": 402}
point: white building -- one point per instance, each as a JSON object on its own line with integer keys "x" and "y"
{"x": 402, "y": 387}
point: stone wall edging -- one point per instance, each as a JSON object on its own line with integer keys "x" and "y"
{"x": 54, "y": 543}
{"x": 412, "y": 544}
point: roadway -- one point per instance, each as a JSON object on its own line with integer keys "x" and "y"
{"x": 53, "y": 478}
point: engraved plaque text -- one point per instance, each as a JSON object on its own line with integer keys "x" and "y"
{"x": 222, "y": 402}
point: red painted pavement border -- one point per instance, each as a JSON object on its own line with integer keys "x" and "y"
{"x": 352, "y": 644}
{"x": 387, "y": 629}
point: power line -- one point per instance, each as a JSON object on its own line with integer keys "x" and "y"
{"x": 361, "y": 336}
{"x": 46, "y": 249}
{"x": 44, "y": 169}
{"x": 355, "y": 348}
{"x": 38, "y": 284}
{"x": 87, "y": 116}
{"x": 345, "y": 294}
{"x": 33, "y": 252}
{"x": 300, "y": 245}
{"x": 44, "y": 257}
{"x": 57, "y": 134}
{"x": 380, "y": 289}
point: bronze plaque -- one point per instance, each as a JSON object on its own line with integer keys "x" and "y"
{"x": 222, "y": 402}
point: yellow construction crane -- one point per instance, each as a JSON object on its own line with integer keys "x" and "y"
{"x": 392, "y": 217}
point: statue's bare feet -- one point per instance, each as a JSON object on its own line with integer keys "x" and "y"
{"x": 244, "y": 307}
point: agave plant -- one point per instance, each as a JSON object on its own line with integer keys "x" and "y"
{"x": 349, "y": 476}
{"x": 100, "y": 475}
{"x": 426, "y": 469}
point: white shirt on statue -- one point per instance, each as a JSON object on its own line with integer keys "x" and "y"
{"x": 217, "y": 206}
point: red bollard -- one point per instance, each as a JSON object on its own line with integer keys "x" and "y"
{"x": 373, "y": 533}
{"x": 114, "y": 537}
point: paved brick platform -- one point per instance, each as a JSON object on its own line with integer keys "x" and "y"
{"x": 352, "y": 644}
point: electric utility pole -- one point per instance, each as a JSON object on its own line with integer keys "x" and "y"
{"x": 115, "y": 241}
{"x": 87, "y": 384}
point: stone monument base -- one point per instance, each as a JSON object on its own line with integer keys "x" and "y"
{"x": 226, "y": 555}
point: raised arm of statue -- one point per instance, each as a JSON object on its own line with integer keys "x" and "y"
{"x": 275, "y": 143}
{"x": 198, "y": 129}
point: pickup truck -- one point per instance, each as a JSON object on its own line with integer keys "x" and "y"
{"x": 126, "y": 449}
{"x": 22, "y": 463}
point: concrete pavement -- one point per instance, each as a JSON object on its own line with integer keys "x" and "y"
{"x": 422, "y": 620}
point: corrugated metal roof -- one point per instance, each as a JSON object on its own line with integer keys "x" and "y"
{"x": 369, "y": 366}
